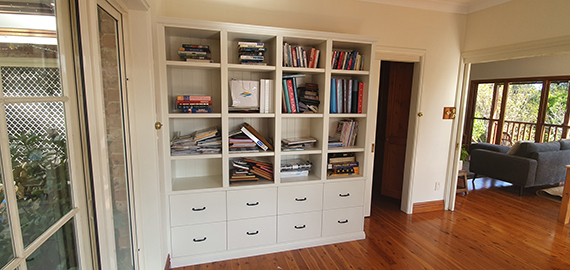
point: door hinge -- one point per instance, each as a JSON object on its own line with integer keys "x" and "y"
{"x": 372, "y": 148}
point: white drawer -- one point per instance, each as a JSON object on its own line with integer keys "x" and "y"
{"x": 299, "y": 226}
{"x": 188, "y": 209}
{"x": 340, "y": 221}
{"x": 252, "y": 203}
{"x": 197, "y": 239}
{"x": 251, "y": 232}
{"x": 296, "y": 199}
{"x": 343, "y": 194}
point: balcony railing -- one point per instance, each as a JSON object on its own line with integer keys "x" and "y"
{"x": 514, "y": 131}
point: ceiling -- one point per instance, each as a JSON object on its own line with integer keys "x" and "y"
{"x": 451, "y": 6}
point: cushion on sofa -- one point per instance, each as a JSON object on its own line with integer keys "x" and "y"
{"x": 564, "y": 144}
{"x": 526, "y": 148}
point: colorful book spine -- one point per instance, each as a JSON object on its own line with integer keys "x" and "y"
{"x": 360, "y": 96}
{"x": 286, "y": 99}
{"x": 291, "y": 95}
{"x": 333, "y": 96}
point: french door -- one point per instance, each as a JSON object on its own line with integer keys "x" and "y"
{"x": 43, "y": 206}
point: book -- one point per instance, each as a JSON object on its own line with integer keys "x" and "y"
{"x": 256, "y": 137}
{"x": 193, "y": 97}
{"x": 354, "y": 95}
{"x": 333, "y": 96}
{"x": 360, "y": 96}
{"x": 292, "y": 105}
{"x": 342, "y": 165}
{"x": 286, "y": 100}
{"x": 349, "y": 96}
{"x": 267, "y": 95}
{"x": 295, "y": 94}
{"x": 250, "y": 44}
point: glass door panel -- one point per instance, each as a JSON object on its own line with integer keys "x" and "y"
{"x": 556, "y": 106}
{"x": 521, "y": 112}
{"x": 6, "y": 250}
{"x": 58, "y": 251}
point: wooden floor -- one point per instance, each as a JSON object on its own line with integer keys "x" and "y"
{"x": 492, "y": 228}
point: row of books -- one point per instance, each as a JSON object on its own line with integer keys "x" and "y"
{"x": 297, "y": 56}
{"x": 246, "y": 139}
{"x": 342, "y": 164}
{"x": 296, "y": 99}
{"x": 203, "y": 141}
{"x": 251, "y": 53}
{"x": 247, "y": 170}
{"x": 298, "y": 143}
{"x": 345, "y": 134}
{"x": 195, "y": 53}
{"x": 295, "y": 168}
{"x": 347, "y": 60}
{"x": 346, "y": 96}
{"x": 193, "y": 104}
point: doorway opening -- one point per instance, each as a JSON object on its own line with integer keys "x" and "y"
{"x": 394, "y": 100}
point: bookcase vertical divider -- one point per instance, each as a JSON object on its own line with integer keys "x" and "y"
{"x": 326, "y": 114}
{"x": 278, "y": 111}
{"x": 225, "y": 121}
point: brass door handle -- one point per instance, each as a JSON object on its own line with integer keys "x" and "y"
{"x": 158, "y": 125}
{"x": 420, "y": 114}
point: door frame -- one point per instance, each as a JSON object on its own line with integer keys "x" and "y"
{"x": 416, "y": 56}
{"x": 543, "y": 47}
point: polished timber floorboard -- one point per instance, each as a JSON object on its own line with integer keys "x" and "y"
{"x": 491, "y": 228}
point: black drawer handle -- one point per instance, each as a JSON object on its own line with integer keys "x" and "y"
{"x": 252, "y": 204}
{"x": 199, "y": 240}
{"x": 344, "y": 195}
{"x": 300, "y": 227}
{"x": 343, "y": 221}
{"x": 199, "y": 209}
{"x": 301, "y": 200}
{"x": 252, "y": 233}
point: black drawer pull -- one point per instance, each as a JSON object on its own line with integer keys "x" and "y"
{"x": 252, "y": 204}
{"x": 199, "y": 209}
{"x": 344, "y": 195}
{"x": 300, "y": 227}
{"x": 301, "y": 200}
{"x": 199, "y": 240}
{"x": 343, "y": 221}
{"x": 252, "y": 233}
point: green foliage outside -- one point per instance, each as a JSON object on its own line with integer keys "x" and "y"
{"x": 522, "y": 106}
{"x": 41, "y": 177}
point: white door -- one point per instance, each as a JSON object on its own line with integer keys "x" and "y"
{"x": 43, "y": 209}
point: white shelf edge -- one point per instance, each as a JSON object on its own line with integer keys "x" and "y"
{"x": 303, "y": 70}
{"x": 201, "y": 156}
{"x": 349, "y": 115}
{"x": 252, "y": 154}
{"x": 302, "y": 115}
{"x": 193, "y": 115}
{"x": 251, "y": 115}
{"x": 349, "y": 72}
{"x": 174, "y": 63}
{"x": 345, "y": 149}
{"x": 303, "y": 152}
{"x": 250, "y": 67}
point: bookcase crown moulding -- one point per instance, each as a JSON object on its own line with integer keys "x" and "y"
{"x": 267, "y": 136}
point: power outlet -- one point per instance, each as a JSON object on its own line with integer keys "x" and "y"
{"x": 437, "y": 185}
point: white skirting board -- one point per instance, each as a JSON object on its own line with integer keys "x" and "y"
{"x": 241, "y": 253}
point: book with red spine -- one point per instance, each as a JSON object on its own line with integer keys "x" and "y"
{"x": 207, "y": 102}
{"x": 312, "y": 58}
{"x": 291, "y": 95}
{"x": 360, "y": 96}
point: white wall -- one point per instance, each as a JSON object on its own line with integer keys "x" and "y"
{"x": 554, "y": 65}
{"x": 517, "y": 21}
{"x": 440, "y": 34}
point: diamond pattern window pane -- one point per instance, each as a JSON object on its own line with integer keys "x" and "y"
{"x": 37, "y": 118}
{"x": 31, "y": 82}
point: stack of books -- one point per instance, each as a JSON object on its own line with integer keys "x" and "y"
{"x": 194, "y": 104}
{"x": 298, "y": 144}
{"x": 295, "y": 168}
{"x": 204, "y": 141}
{"x": 195, "y": 53}
{"x": 251, "y": 53}
{"x": 347, "y": 60}
{"x": 345, "y": 134}
{"x": 247, "y": 139}
{"x": 346, "y": 96}
{"x": 342, "y": 164}
{"x": 304, "y": 99}
{"x": 246, "y": 169}
{"x": 297, "y": 56}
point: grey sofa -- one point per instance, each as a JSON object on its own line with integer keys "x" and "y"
{"x": 526, "y": 164}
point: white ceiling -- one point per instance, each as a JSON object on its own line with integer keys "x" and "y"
{"x": 451, "y": 6}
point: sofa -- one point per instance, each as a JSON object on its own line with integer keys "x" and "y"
{"x": 525, "y": 164}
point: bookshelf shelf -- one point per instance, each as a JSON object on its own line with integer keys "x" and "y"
{"x": 190, "y": 157}
{"x": 198, "y": 65}
{"x": 194, "y": 115}
{"x": 209, "y": 179}
{"x": 198, "y": 182}
{"x": 250, "y": 67}
{"x": 251, "y": 115}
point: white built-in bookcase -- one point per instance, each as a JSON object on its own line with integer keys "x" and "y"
{"x": 189, "y": 179}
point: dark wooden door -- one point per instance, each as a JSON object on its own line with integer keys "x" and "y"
{"x": 395, "y": 94}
